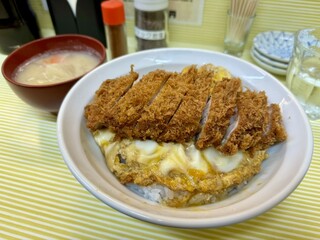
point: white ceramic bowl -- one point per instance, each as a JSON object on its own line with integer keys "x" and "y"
{"x": 280, "y": 175}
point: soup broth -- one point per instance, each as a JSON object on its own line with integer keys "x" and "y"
{"x": 56, "y": 66}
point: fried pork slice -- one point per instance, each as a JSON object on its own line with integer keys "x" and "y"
{"x": 105, "y": 98}
{"x": 156, "y": 116}
{"x": 185, "y": 123}
{"x": 251, "y": 123}
{"x": 129, "y": 108}
{"x": 222, "y": 108}
{"x": 275, "y": 131}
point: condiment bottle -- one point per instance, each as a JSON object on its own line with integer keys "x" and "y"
{"x": 114, "y": 19}
{"x": 151, "y": 23}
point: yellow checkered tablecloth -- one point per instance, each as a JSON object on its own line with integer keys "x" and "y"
{"x": 40, "y": 199}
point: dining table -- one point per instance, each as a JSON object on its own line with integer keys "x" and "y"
{"x": 41, "y": 199}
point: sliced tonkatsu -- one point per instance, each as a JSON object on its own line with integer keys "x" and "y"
{"x": 251, "y": 121}
{"x": 155, "y": 117}
{"x": 105, "y": 98}
{"x": 129, "y": 108}
{"x": 196, "y": 104}
{"x": 274, "y": 132}
{"x": 222, "y": 107}
{"x": 185, "y": 123}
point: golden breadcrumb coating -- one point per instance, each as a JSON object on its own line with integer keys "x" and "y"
{"x": 105, "y": 98}
{"x": 252, "y": 121}
{"x": 222, "y": 108}
{"x": 275, "y": 132}
{"x": 168, "y": 107}
{"x": 129, "y": 108}
{"x": 185, "y": 123}
{"x": 155, "y": 118}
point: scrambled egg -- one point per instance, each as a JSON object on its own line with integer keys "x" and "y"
{"x": 220, "y": 73}
{"x": 168, "y": 156}
{"x": 188, "y": 172}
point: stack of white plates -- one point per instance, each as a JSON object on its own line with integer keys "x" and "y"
{"x": 272, "y": 51}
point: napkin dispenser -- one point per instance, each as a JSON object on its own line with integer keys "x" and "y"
{"x": 78, "y": 16}
{"x": 18, "y": 25}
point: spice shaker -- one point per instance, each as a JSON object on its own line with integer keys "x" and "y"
{"x": 151, "y": 23}
{"x": 114, "y": 19}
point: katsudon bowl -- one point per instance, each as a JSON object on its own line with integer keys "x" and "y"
{"x": 280, "y": 174}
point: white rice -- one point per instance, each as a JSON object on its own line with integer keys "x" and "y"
{"x": 161, "y": 194}
{"x": 155, "y": 193}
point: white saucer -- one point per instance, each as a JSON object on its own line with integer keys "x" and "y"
{"x": 276, "y": 45}
{"x": 271, "y": 69}
{"x": 269, "y": 61}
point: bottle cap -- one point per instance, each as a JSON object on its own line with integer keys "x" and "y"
{"x": 113, "y": 12}
{"x": 151, "y": 5}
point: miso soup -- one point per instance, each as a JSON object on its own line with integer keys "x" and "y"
{"x": 56, "y": 66}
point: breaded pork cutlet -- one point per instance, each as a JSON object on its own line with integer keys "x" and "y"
{"x": 185, "y": 123}
{"x": 275, "y": 131}
{"x": 129, "y": 108}
{"x": 155, "y": 117}
{"x": 105, "y": 98}
{"x": 222, "y": 108}
{"x": 251, "y": 123}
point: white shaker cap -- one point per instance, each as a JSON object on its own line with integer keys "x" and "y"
{"x": 151, "y": 5}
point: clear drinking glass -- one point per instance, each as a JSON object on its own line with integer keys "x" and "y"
{"x": 303, "y": 75}
{"x": 237, "y": 31}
